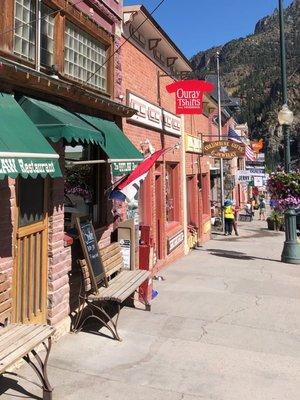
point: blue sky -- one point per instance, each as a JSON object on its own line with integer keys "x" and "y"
{"x": 196, "y": 25}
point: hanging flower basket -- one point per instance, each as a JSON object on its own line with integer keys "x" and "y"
{"x": 284, "y": 188}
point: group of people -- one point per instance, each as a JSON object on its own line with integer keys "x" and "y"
{"x": 231, "y": 213}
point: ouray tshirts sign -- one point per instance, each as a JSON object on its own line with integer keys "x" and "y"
{"x": 189, "y": 95}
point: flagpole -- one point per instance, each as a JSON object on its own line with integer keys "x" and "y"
{"x": 220, "y": 135}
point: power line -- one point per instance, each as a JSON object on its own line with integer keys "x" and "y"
{"x": 41, "y": 18}
{"x": 125, "y": 41}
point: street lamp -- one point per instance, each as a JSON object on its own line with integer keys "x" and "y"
{"x": 291, "y": 249}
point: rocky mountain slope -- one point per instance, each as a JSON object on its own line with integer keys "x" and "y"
{"x": 250, "y": 70}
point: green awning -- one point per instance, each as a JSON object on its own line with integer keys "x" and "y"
{"x": 23, "y": 149}
{"x": 56, "y": 123}
{"x": 121, "y": 153}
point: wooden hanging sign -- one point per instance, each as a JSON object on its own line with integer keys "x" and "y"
{"x": 223, "y": 149}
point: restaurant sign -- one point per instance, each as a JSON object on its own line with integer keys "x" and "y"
{"x": 223, "y": 149}
{"x": 28, "y": 166}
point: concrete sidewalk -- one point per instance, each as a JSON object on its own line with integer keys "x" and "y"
{"x": 225, "y": 326}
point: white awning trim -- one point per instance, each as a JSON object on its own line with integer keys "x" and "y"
{"x": 27, "y": 155}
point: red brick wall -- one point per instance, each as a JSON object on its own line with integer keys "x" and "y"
{"x": 59, "y": 256}
{"x": 139, "y": 76}
{"x": 7, "y": 205}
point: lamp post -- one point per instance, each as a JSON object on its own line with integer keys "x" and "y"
{"x": 291, "y": 249}
{"x": 220, "y": 136}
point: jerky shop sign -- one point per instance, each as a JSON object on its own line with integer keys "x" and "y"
{"x": 189, "y": 95}
{"x": 18, "y": 165}
{"x": 223, "y": 149}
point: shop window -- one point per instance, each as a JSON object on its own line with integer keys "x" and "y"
{"x": 25, "y": 34}
{"x": 172, "y": 192}
{"x": 206, "y": 193}
{"x": 31, "y": 200}
{"x": 85, "y": 188}
{"x": 47, "y": 36}
{"x": 25, "y": 37}
{"x": 191, "y": 204}
{"x": 83, "y": 57}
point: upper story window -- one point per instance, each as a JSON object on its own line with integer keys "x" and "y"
{"x": 26, "y": 34}
{"x": 25, "y": 37}
{"x": 47, "y": 35}
{"x": 83, "y": 58}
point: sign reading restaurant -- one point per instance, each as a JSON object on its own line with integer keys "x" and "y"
{"x": 223, "y": 149}
{"x": 19, "y": 165}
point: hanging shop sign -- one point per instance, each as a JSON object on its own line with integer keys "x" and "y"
{"x": 149, "y": 114}
{"x": 193, "y": 144}
{"x": 247, "y": 176}
{"x": 175, "y": 241}
{"x": 223, "y": 149}
{"x": 123, "y": 167}
{"x": 257, "y": 145}
{"x": 253, "y": 169}
{"x": 189, "y": 95}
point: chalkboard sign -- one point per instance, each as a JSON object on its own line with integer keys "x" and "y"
{"x": 90, "y": 249}
{"x": 245, "y": 217}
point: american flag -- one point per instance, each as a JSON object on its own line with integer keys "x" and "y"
{"x": 249, "y": 153}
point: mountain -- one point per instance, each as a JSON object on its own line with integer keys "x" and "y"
{"x": 250, "y": 70}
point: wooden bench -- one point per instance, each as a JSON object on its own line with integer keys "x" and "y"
{"x": 122, "y": 284}
{"x": 19, "y": 341}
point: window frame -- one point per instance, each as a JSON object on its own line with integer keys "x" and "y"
{"x": 71, "y": 14}
{"x": 100, "y": 43}
{"x": 175, "y": 190}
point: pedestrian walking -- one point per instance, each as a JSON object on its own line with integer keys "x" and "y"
{"x": 228, "y": 217}
{"x": 262, "y": 209}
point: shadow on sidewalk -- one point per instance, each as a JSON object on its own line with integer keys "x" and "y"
{"x": 8, "y": 383}
{"x": 236, "y": 255}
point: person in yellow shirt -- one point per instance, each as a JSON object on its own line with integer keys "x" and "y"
{"x": 228, "y": 216}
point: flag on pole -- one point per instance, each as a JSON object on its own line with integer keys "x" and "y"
{"x": 249, "y": 153}
{"x": 129, "y": 186}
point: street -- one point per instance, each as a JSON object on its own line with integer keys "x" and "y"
{"x": 224, "y": 326}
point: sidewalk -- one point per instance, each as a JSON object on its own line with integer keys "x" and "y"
{"x": 225, "y": 326}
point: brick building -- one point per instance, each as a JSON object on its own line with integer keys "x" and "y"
{"x": 56, "y": 156}
{"x": 174, "y": 199}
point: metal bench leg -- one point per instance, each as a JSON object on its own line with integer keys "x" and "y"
{"x": 111, "y": 325}
{"x": 95, "y": 310}
{"x": 146, "y": 302}
{"x": 40, "y": 367}
{"x": 81, "y": 302}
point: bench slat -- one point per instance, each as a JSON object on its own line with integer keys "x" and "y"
{"x": 106, "y": 256}
{"x": 26, "y": 333}
{"x": 10, "y": 333}
{"x": 109, "y": 248}
{"x": 25, "y": 349}
{"x": 118, "y": 281}
{"x": 130, "y": 287}
{"x": 123, "y": 287}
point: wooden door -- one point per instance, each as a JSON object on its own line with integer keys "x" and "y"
{"x": 31, "y": 244}
{"x": 160, "y": 224}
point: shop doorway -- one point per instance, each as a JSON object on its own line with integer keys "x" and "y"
{"x": 31, "y": 251}
{"x": 160, "y": 224}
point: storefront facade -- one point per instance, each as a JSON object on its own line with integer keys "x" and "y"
{"x": 148, "y": 65}
{"x": 50, "y": 74}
